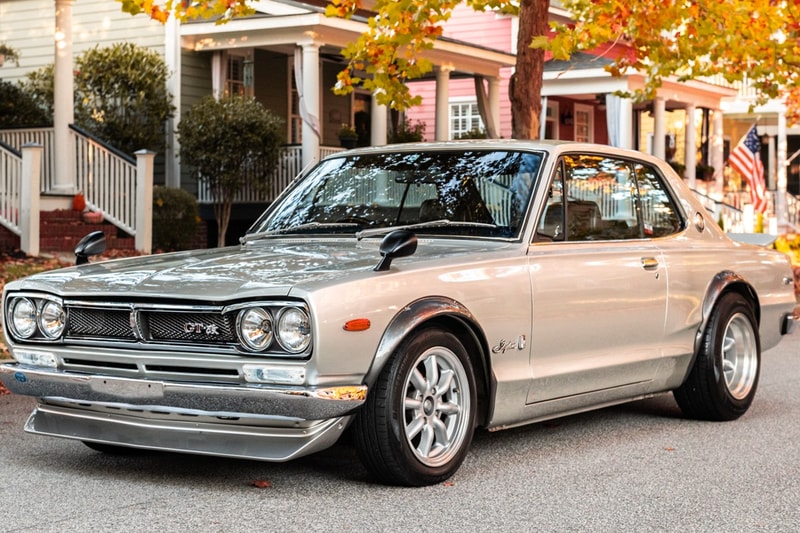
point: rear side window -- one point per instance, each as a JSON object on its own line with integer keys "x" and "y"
{"x": 594, "y": 197}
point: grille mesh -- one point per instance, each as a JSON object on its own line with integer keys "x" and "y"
{"x": 104, "y": 323}
{"x": 192, "y": 327}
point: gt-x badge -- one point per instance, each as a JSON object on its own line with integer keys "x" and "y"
{"x": 503, "y": 346}
{"x": 196, "y": 327}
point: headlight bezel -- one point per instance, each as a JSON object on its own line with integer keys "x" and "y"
{"x": 278, "y": 311}
{"x": 38, "y": 303}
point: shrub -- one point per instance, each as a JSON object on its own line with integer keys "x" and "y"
{"x": 120, "y": 95}
{"x": 231, "y": 144}
{"x": 19, "y": 109}
{"x": 175, "y": 215}
{"x": 407, "y": 132}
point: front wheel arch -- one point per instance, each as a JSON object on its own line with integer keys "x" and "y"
{"x": 446, "y": 314}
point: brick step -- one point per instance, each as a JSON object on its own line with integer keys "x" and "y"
{"x": 61, "y": 230}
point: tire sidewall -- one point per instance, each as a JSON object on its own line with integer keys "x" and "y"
{"x": 729, "y": 306}
{"x": 402, "y": 365}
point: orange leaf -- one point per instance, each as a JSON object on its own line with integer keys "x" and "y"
{"x": 261, "y": 483}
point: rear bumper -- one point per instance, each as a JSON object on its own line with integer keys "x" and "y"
{"x": 788, "y": 324}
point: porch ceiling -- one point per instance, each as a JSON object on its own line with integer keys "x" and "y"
{"x": 678, "y": 95}
{"x": 315, "y": 28}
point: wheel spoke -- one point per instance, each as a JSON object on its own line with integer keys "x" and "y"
{"x": 426, "y": 441}
{"x": 440, "y": 432}
{"x": 418, "y": 381}
{"x": 728, "y": 343}
{"x": 432, "y": 369}
{"x": 449, "y": 408}
{"x": 412, "y": 404}
{"x": 443, "y": 386}
{"x": 416, "y": 425}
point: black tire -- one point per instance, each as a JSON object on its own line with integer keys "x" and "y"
{"x": 417, "y": 424}
{"x": 724, "y": 378}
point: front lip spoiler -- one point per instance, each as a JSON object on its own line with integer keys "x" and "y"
{"x": 212, "y": 399}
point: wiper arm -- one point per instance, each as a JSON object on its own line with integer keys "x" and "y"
{"x": 429, "y": 224}
{"x": 299, "y": 227}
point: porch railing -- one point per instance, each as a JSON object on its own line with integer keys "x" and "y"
{"x": 107, "y": 179}
{"x": 17, "y": 138}
{"x": 10, "y": 182}
{"x": 289, "y": 167}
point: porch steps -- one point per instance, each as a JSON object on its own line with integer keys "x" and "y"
{"x": 62, "y": 229}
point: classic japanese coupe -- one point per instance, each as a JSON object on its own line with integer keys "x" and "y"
{"x": 409, "y": 294}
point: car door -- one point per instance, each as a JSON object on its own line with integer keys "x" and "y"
{"x": 599, "y": 286}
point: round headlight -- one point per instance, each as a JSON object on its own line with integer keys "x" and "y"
{"x": 23, "y": 317}
{"x": 294, "y": 330}
{"x": 52, "y": 320}
{"x": 255, "y": 328}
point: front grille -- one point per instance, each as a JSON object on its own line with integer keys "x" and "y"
{"x": 146, "y": 324}
{"x": 189, "y": 327}
{"x": 100, "y": 323}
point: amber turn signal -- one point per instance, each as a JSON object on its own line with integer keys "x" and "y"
{"x": 357, "y": 324}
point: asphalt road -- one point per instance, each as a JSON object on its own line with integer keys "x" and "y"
{"x": 638, "y": 467}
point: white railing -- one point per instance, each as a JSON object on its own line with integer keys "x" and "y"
{"x": 107, "y": 179}
{"x": 10, "y": 185}
{"x": 17, "y": 138}
{"x": 289, "y": 167}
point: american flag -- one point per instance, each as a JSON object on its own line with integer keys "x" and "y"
{"x": 746, "y": 160}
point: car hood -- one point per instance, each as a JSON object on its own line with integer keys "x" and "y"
{"x": 271, "y": 267}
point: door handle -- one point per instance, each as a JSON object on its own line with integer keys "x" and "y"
{"x": 649, "y": 263}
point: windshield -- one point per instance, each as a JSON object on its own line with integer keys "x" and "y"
{"x": 483, "y": 193}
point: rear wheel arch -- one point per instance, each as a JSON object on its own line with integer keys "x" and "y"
{"x": 720, "y": 285}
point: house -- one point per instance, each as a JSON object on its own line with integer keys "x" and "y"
{"x": 692, "y": 124}
{"x": 287, "y": 56}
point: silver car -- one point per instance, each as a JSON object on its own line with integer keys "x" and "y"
{"x": 408, "y": 294}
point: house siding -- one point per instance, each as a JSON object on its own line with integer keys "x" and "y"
{"x": 485, "y": 29}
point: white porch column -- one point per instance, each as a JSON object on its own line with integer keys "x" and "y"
{"x": 378, "y": 123}
{"x": 63, "y": 112}
{"x": 443, "y": 102}
{"x": 717, "y": 150}
{"x": 172, "y": 57}
{"x": 690, "y": 147}
{"x": 311, "y": 98}
{"x": 780, "y": 192}
{"x": 494, "y": 103}
{"x": 144, "y": 201}
{"x": 659, "y": 128}
{"x": 771, "y": 177}
{"x": 29, "y": 199}
{"x": 626, "y": 123}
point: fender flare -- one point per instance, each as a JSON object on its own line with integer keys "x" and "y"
{"x": 723, "y": 282}
{"x": 412, "y": 316}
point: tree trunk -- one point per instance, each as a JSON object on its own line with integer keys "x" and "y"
{"x": 222, "y": 212}
{"x": 526, "y": 82}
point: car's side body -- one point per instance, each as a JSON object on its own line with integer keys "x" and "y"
{"x": 534, "y": 325}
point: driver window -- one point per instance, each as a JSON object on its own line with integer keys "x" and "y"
{"x": 593, "y": 197}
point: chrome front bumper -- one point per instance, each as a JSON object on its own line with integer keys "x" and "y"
{"x": 248, "y": 421}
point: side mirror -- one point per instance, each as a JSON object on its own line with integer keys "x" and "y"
{"x": 399, "y": 243}
{"x": 92, "y": 244}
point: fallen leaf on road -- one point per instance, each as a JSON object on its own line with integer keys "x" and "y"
{"x": 261, "y": 483}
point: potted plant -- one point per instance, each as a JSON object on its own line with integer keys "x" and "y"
{"x": 8, "y": 53}
{"x": 348, "y": 136}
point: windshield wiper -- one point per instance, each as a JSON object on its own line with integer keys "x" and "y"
{"x": 430, "y": 224}
{"x": 299, "y": 227}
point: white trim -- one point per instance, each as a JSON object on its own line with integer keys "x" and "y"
{"x": 589, "y": 111}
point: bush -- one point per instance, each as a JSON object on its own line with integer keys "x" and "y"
{"x": 120, "y": 95}
{"x": 407, "y": 132}
{"x": 175, "y": 215}
{"x": 231, "y": 144}
{"x": 19, "y": 109}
